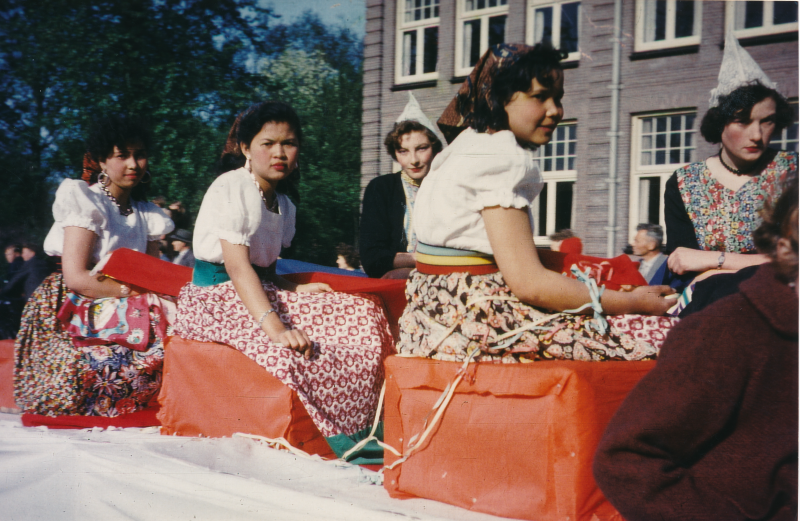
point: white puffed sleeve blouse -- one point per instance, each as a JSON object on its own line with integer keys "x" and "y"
{"x": 474, "y": 172}
{"x": 84, "y": 206}
{"x": 233, "y": 210}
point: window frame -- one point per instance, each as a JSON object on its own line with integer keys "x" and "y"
{"x": 550, "y": 180}
{"x": 783, "y": 140}
{"x": 530, "y": 21}
{"x": 638, "y": 171}
{"x": 640, "y": 45}
{"x": 463, "y": 16}
{"x": 730, "y": 20}
{"x": 419, "y": 26}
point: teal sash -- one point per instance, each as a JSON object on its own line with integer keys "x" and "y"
{"x": 211, "y": 274}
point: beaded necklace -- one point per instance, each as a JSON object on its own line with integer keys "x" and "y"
{"x": 124, "y": 212}
{"x": 274, "y": 208}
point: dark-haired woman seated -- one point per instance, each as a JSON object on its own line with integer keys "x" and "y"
{"x": 329, "y": 347}
{"x": 64, "y": 363}
{"x": 712, "y": 207}
{"x": 387, "y": 241}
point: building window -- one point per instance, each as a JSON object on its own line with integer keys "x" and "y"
{"x": 661, "y": 24}
{"x": 554, "y": 209}
{"x": 788, "y": 138}
{"x": 417, "y": 40}
{"x": 481, "y": 24}
{"x": 661, "y": 144}
{"x": 761, "y": 18}
{"x": 556, "y": 23}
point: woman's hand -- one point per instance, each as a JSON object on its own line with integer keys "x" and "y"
{"x": 295, "y": 339}
{"x": 685, "y": 259}
{"x": 653, "y": 300}
{"x": 313, "y": 287}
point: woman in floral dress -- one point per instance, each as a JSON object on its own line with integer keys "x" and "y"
{"x": 712, "y": 207}
{"x": 327, "y": 346}
{"x": 480, "y": 290}
{"x": 58, "y": 369}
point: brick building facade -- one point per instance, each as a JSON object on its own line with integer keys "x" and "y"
{"x": 670, "y": 54}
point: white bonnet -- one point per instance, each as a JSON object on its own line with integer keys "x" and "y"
{"x": 414, "y": 112}
{"x": 738, "y": 69}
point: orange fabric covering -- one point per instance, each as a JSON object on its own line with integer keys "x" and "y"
{"x": 517, "y": 440}
{"x": 571, "y": 245}
{"x": 214, "y": 390}
{"x": 7, "y": 374}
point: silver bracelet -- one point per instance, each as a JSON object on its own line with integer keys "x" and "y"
{"x": 263, "y": 316}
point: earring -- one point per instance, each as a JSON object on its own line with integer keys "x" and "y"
{"x": 149, "y": 177}
{"x": 247, "y": 165}
{"x": 103, "y": 178}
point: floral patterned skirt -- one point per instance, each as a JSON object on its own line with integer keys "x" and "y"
{"x": 52, "y": 376}
{"x": 340, "y": 385}
{"x": 448, "y": 316}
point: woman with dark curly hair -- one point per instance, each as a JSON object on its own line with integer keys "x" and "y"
{"x": 712, "y": 207}
{"x": 65, "y": 362}
{"x": 480, "y": 289}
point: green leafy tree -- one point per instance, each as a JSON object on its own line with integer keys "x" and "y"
{"x": 63, "y": 63}
{"x": 318, "y": 71}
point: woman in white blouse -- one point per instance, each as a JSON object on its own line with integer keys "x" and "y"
{"x": 58, "y": 370}
{"x": 327, "y": 346}
{"x": 480, "y": 288}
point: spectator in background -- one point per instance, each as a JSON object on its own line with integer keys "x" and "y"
{"x": 180, "y": 215}
{"x": 160, "y": 201}
{"x": 33, "y": 271}
{"x": 181, "y": 241}
{"x": 14, "y": 259}
{"x": 565, "y": 241}
{"x": 647, "y": 245}
{"x": 711, "y": 431}
{"x": 387, "y": 241}
{"x": 347, "y": 257}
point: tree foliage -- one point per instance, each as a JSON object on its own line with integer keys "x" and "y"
{"x": 188, "y": 66}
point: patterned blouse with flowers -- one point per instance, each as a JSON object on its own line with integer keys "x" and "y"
{"x": 701, "y": 213}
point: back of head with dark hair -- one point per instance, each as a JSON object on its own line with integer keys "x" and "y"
{"x": 542, "y": 62}
{"x": 395, "y": 136}
{"x": 119, "y": 130}
{"x": 738, "y": 105}
{"x": 245, "y": 128}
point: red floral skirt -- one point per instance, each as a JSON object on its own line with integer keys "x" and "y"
{"x": 340, "y": 384}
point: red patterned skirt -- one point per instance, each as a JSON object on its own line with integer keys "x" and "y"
{"x": 340, "y": 384}
{"x": 448, "y": 316}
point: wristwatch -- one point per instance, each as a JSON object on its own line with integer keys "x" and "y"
{"x": 124, "y": 291}
{"x": 721, "y": 260}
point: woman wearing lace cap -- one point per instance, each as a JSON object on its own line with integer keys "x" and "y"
{"x": 712, "y": 207}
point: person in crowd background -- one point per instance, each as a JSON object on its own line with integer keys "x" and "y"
{"x": 347, "y": 257}
{"x": 14, "y": 259}
{"x": 387, "y": 240}
{"x": 68, "y": 359}
{"x": 647, "y": 244}
{"x": 479, "y": 278}
{"x": 711, "y": 432}
{"x": 180, "y": 215}
{"x": 565, "y": 241}
{"x": 712, "y": 207}
{"x": 181, "y": 241}
{"x": 27, "y": 279}
{"x": 328, "y": 347}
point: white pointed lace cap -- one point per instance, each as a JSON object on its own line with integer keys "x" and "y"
{"x": 738, "y": 69}
{"x": 414, "y": 112}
